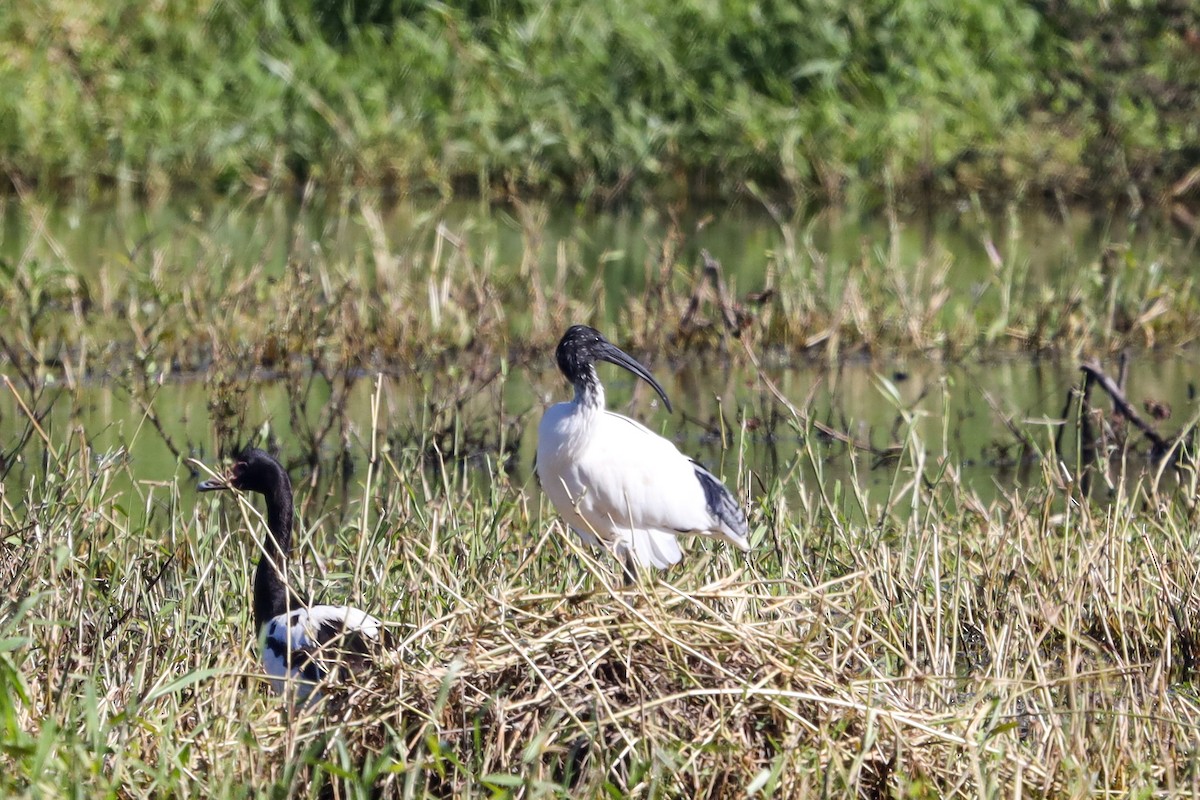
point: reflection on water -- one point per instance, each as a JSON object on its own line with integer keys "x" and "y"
{"x": 955, "y": 412}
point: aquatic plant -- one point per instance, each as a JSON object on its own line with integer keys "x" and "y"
{"x": 262, "y": 290}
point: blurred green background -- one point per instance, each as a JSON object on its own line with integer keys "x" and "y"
{"x": 602, "y": 100}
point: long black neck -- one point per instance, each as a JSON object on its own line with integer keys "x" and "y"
{"x": 270, "y": 591}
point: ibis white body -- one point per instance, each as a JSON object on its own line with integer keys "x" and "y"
{"x": 620, "y": 485}
{"x": 617, "y": 483}
{"x": 302, "y": 646}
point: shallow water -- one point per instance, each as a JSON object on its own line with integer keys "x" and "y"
{"x": 943, "y": 411}
{"x": 878, "y": 402}
{"x": 622, "y": 248}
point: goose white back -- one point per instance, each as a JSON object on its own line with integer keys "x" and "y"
{"x": 304, "y": 645}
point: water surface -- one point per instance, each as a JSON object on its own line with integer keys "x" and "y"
{"x": 952, "y": 412}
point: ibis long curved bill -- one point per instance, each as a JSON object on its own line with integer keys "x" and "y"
{"x": 614, "y": 355}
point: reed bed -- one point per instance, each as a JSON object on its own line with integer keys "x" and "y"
{"x": 929, "y": 645}
{"x": 926, "y": 643}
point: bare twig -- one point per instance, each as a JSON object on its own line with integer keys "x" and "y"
{"x": 1093, "y": 371}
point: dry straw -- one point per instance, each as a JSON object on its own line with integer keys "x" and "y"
{"x": 1040, "y": 643}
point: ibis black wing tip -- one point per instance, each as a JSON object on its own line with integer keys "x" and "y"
{"x": 720, "y": 502}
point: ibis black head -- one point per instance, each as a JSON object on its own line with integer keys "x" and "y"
{"x": 581, "y": 347}
{"x": 254, "y": 471}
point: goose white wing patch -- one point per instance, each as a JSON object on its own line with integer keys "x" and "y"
{"x": 305, "y": 644}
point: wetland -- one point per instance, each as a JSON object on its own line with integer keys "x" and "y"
{"x": 961, "y": 546}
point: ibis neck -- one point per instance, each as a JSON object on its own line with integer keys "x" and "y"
{"x": 270, "y": 591}
{"x": 589, "y": 392}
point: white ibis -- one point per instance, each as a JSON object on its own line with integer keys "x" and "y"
{"x": 617, "y": 483}
{"x": 300, "y": 642}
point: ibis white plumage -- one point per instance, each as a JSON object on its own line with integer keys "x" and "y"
{"x": 301, "y": 643}
{"x": 617, "y": 483}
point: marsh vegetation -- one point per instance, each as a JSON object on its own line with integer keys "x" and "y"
{"x": 974, "y": 580}
{"x": 958, "y": 403}
{"x": 606, "y": 101}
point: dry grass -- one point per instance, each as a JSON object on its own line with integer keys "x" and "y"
{"x": 924, "y": 644}
{"x": 946, "y": 648}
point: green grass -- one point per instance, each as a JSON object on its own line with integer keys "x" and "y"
{"x": 603, "y": 100}
{"x": 947, "y": 648}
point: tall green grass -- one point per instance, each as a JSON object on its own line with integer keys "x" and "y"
{"x": 601, "y": 99}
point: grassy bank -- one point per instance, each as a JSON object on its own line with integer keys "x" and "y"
{"x": 601, "y": 100}
{"x": 948, "y": 649}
